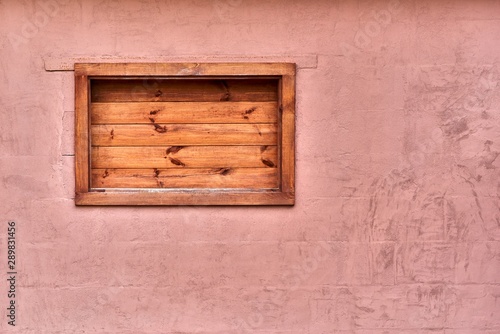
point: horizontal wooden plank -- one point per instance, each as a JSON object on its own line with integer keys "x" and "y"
{"x": 184, "y": 156}
{"x": 244, "y": 178}
{"x": 184, "y": 112}
{"x": 162, "y": 197}
{"x": 183, "y": 90}
{"x": 155, "y": 134}
{"x": 185, "y": 69}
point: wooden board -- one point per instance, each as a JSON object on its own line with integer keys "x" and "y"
{"x": 184, "y": 112}
{"x": 172, "y": 134}
{"x": 82, "y": 135}
{"x": 187, "y": 156}
{"x": 185, "y": 69}
{"x": 154, "y": 134}
{"x": 198, "y": 197}
{"x": 243, "y": 178}
{"x": 183, "y": 90}
{"x": 287, "y": 140}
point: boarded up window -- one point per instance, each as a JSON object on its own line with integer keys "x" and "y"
{"x": 194, "y": 134}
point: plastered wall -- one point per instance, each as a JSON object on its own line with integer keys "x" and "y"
{"x": 397, "y": 224}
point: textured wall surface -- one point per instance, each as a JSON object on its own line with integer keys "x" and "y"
{"x": 397, "y": 223}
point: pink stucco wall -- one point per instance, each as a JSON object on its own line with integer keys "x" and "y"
{"x": 397, "y": 223}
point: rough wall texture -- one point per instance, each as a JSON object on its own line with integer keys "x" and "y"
{"x": 397, "y": 223}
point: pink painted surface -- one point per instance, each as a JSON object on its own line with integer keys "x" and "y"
{"x": 397, "y": 223}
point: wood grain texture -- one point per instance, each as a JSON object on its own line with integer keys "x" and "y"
{"x": 184, "y": 69}
{"x": 244, "y": 178}
{"x": 192, "y": 134}
{"x": 82, "y": 168}
{"x": 183, "y": 90}
{"x": 155, "y": 134}
{"x": 184, "y": 156}
{"x": 288, "y": 134}
{"x": 184, "y": 112}
{"x": 199, "y": 197}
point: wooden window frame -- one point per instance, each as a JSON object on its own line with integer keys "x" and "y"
{"x": 284, "y": 195}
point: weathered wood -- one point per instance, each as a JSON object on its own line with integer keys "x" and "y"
{"x": 81, "y": 134}
{"x": 213, "y": 123}
{"x": 184, "y": 112}
{"x": 243, "y": 178}
{"x": 184, "y": 156}
{"x": 200, "y": 197}
{"x": 288, "y": 134}
{"x": 185, "y": 69}
{"x": 155, "y": 134}
{"x": 183, "y": 90}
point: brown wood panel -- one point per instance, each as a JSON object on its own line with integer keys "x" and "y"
{"x": 288, "y": 134}
{"x": 184, "y": 156}
{"x": 184, "y": 134}
{"x": 209, "y": 134}
{"x": 82, "y": 164}
{"x": 184, "y": 112}
{"x": 249, "y": 178}
{"x": 184, "y": 69}
{"x": 183, "y": 90}
{"x": 162, "y": 197}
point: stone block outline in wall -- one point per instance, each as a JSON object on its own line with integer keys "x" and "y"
{"x": 197, "y": 134}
